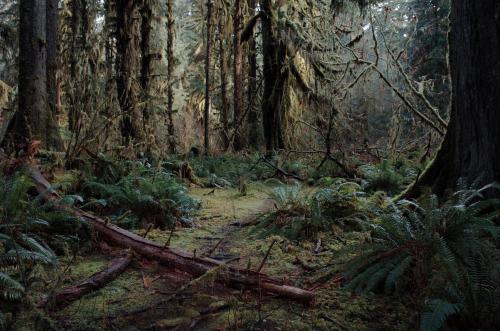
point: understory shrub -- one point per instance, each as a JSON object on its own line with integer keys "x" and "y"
{"x": 388, "y": 176}
{"x": 445, "y": 255}
{"x": 147, "y": 195}
{"x": 303, "y": 215}
{"x": 27, "y": 226}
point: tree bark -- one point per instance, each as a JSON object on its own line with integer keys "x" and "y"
{"x": 207, "y": 78}
{"x": 32, "y": 118}
{"x": 79, "y": 28}
{"x": 98, "y": 280}
{"x": 224, "y": 69}
{"x": 274, "y": 54}
{"x": 470, "y": 150}
{"x": 237, "y": 72}
{"x": 170, "y": 75}
{"x": 253, "y": 116}
{"x": 54, "y": 140}
{"x": 146, "y": 58}
{"x": 127, "y": 67}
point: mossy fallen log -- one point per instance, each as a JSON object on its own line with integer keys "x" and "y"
{"x": 185, "y": 261}
{"x": 67, "y": 295}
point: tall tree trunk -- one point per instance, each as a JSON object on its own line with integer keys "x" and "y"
{"x": 170, "y": 76}
{"x": 253, "y": 117}
{"x": 127, "y": 67}
{"x": 470, "y": 149}
{"x": 79, "y": 28}
{"x": 146, "y": 58}
{"x": 274, "y": 54}
{"x": 224, "y": 69}
{"x": 54, "y": 140}
{"x": 237, "y": 72}
{"x": 207, "y": 78}
{"x": 110, "y": 31}
{"x": 32, "y": 117}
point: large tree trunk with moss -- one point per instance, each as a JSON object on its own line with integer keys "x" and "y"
{"x": 32, "y": 118}
{"x": 274, "y": 54}
{"x": 224, "y": 69}
{"x": 54, "y": 140}
{"x": 79, "y": 28}
{"x": 237, "y": 73}
{"x": 253, "y": 117}
{"x": 170, "y": 75}
{"x": 146, "y": 59}
{"x": 126, "y": 69}
{"x": 206, "y": 112}
{"x": 470, "y": 149}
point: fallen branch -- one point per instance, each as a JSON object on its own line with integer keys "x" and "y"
{"x": 187, "y": 262}
{"x": 98, "y": 280}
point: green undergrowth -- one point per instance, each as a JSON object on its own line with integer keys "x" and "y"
{"x": 390, "y": 176}
{"x": 132, "y": 195}
{"x": 32, "y": 237}
{"x": 443, "y": 254}
{"x": 305, "y": 213}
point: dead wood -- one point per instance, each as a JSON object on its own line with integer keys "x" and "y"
{"x": 184, "y": 261}
{"x": 98, "y": 280}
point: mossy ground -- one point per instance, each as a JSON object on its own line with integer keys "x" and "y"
{"x": 115, "y": 306}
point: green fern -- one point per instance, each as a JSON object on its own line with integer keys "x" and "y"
{"x": 153, "y": 196}
{"x": 447, "y": 251}
{"x": 302, "y": 215}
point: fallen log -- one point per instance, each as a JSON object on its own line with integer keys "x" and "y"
{"x": 98, "y": 280}
{"x": 187, "y": 262}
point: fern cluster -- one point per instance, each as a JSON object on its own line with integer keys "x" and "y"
{"x": 443, "y": 253}
{"x": 153, "y": 196}
{"x": 388, "y": 176}
{"x": 302, "y": 215}
{"x": 25, "y": 228}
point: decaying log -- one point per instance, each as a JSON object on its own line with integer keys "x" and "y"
{"x": 187, "y": 262}
{"x": 98, "y": 280}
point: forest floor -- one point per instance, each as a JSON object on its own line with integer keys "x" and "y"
{"x": 131, "y": 302}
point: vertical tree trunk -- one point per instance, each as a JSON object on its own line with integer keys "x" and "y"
{"x": 110, "y": 31}
{"x": 170, "y": 75}
{"x": 79, "y": 27}
{"x": 274, "y": 54}
{"x": 237, "y": 72}
{"x": 252, "y": 119}
{"x": 146, "y": 17}
{"x": 470, "y": 149}
{"x": 54, "y": 140}
{"x": 207, "y": 78}
{"x": 127, "y": 68}
{"x": 32, "y": 117}
{"x": 224, "y": 69}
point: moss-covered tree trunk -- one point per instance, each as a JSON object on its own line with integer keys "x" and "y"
{"x": 54, "y": 140}
{"x": 79, "y": 28}
{"x": 253, "y": 116}
{"x": 471, "y": 147}
{"x": 206, "y": 113}
{"x": 237, "y": 73}
{"x": 146, "y": 59}
{"x": 224, "y": 70}
{"x": 127, "y": 21}
{"x": 274, "y": 54}
{"x": 32, "y": 118}
{"x": 170, "y": 75}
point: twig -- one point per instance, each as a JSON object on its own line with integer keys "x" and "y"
{"x": 266, "y": 257}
